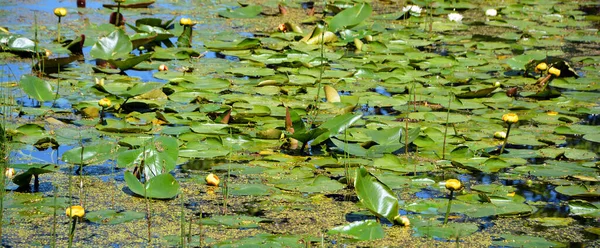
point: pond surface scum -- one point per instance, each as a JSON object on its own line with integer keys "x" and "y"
{"x": 324, "y": 124}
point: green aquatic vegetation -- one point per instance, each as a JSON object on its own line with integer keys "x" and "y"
{"x": 411, "y": 98}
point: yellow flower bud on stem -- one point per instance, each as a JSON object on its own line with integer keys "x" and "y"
{"x": 452, "y": 185}
{"x": 59, "y": 12}
{"x": 104, "y": 103}
{"x": 509, "y": 118}
{"x": 75, "y": 212}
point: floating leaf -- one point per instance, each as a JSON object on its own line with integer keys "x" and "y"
{"x": 163, "y": 186}
{"x": 157, "y": 156}
{"x": 36, "y": 88}
{"x": 350, "y": 17}
{"x": 525, "y": 241}
{"x": 584, "y": 208}
{"x": 449, "y": 231}
{"x": 113, "y": 217}
{"x": 94, "y": 154}
{"x": 250, "y": 11}
{"x": 114, "y": 46}
{"x": 360, "y": 230}
{"x": 234, "y": 221}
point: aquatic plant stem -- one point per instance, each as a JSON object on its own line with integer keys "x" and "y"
{"x": 346, "y": 157}
{"x": 57, "y": 87}
{"x": 81, "y": 173}
{"x": 117, "y": 23}
{"x": 58, "y": 30}
{"x": 446, "y": 126}
{"x": 53, "y": 241}
{"x": 449, "y": 206}
{"x": 321, "y": 71}
{"x": 182, "y": 222}
{"x": 72, "y": 232}
{"x": 505, "y": 138}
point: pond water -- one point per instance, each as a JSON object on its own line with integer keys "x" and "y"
{"x": 287, "y": 123}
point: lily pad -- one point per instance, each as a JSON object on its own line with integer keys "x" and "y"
{"x": 360, "y": 230}
{"x": 113, "y": 217}
{"x": 250, "y": 11}
{"x": 163, "y": 186}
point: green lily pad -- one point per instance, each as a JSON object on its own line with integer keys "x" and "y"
{"x": 525, "y": 241}
{"x": 163, "y": 186}
{"x": 113, "y": 217}
{"x": 578, "y": 191}
{"x": 250, "y": 11}
{"x": 375, "y": 196}
{"x": 251, "y": 189}
{"x": 36, "y": 88}
{"x": 94, "y": 154}
{"x": 350, "y": 17}
{"x": 114, "y": 46}
{"x": 234, "y": 221}
{"x": 360, "y": 230}
{"x": 584, "y": 208}
{"x": 448, "y": 231}
{"x": 553, "y": 221}
{"x": 312, "y": 185}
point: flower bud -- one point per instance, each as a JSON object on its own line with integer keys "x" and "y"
{"x": 402, "y": 220}
{"x": 554, "y": 71}
{"x": 119, "y": 1}
{"x": 500, "y": 135}
{"x": 60, "y": 12}
{"x": 75, "y": 211}
{"x": 491, "y": 12}
{"x": 163, "y": 67}
{"x": 212, "y": 180}
{"x": 453, "y": 184}
{"x": 510, "y": 118}
{"x": 104, "y": 103}
{"x": 282, "y": 28}
{"x": 9, "y": 173}
{"x": 541, "y": 67}
{"x": 497, "y": 84}
{"x": 185, "y": 21}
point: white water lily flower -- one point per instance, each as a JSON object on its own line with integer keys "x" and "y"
{"x": 491, "y": 12}
{"x": 455, "y": 17}
{"x": 412, "y": 8}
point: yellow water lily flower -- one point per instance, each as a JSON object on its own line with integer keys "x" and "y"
{"x": 500, "y": 135}
{"x": 212, "y": 180}
{"x": 510, "y": 118}
{"x": 75, "y": 211}
{"x": 104, "y": 103}
{"x": 453, "y": 184}
{"x": 541, "y": 67}
{"x": 60, "y": 12}
{"x": 554, "y": 71}
{"x": 185, "y": 21}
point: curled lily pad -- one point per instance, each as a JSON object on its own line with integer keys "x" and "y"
{"x": 350, "y": 17}
{"x": 36, "y": 88}
{"x": 375, "y": 196}
{"x": 32, "y": 170}
{"x": 163, "y": 186}
{"x": 116, "y": 45}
